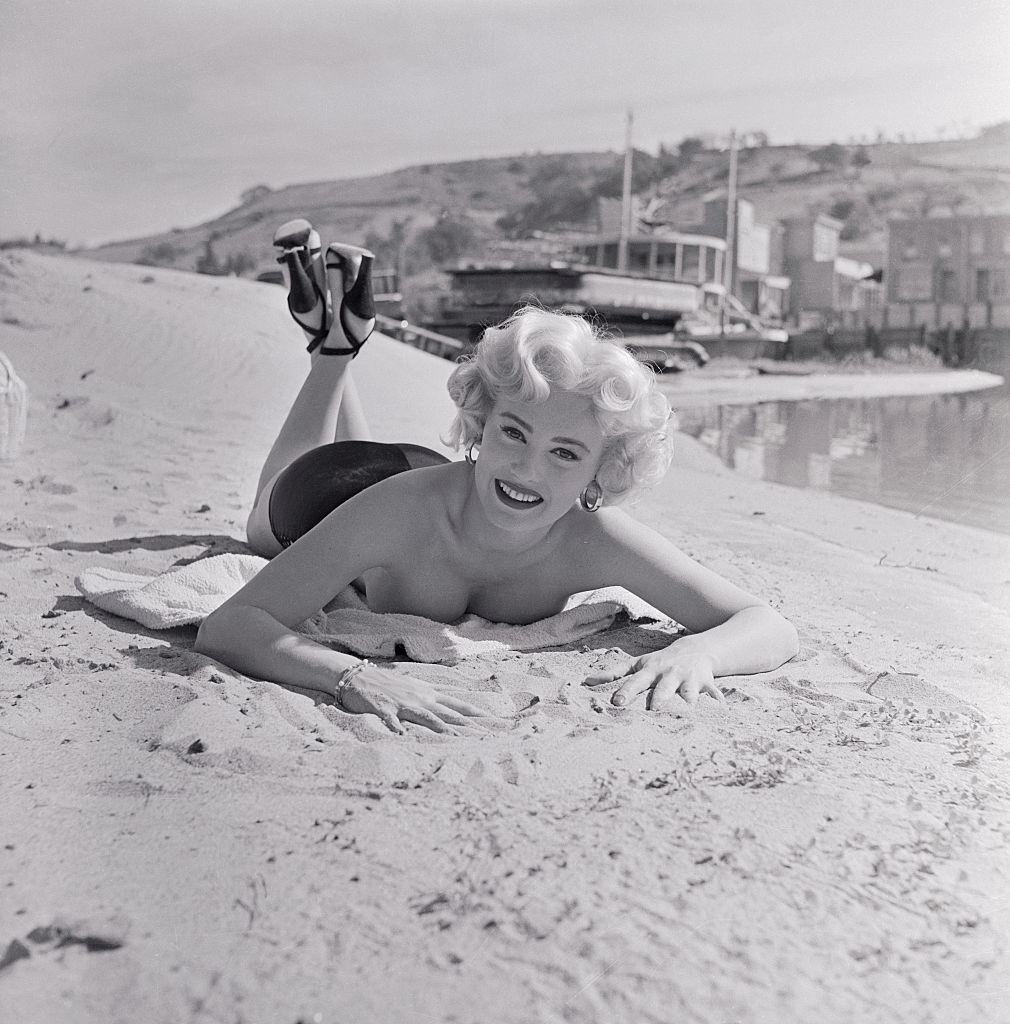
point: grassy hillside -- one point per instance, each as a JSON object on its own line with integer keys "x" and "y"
{"x": 915, "y": 179}
{"x": 390, "y": 212}
{"x": 420, "y": 217}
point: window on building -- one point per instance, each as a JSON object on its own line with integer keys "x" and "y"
{"x": 910, "y": 252}
{"x": 825, "y": 243}
{"x": 914, "y": 282}
{"x": 1006, "y": 243}
{"x": 948, "y": 290}
{"x": 691, "y": 263}
{"x": 983, "y": 285}
{"x": 665, "y": 263}
{"x": 749, "y": 292}
{"x": 976, "y": 241}
{"x": 711, "y": 263}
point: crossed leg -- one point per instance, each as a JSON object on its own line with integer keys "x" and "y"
{"x": 326, "y": 409}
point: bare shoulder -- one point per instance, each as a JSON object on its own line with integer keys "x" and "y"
{"x": 619, "y": 550}
{"x": 614, "y": 531}
{"x": 443, "y": 483}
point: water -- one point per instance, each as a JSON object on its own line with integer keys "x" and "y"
{"x": 945, "y": 456}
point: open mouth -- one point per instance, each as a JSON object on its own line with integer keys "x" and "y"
{"x": 516, "y": 497}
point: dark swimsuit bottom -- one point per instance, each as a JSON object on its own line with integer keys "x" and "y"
{"x": 317, "y": 482}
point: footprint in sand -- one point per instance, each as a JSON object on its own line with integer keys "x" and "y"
{"x": 897, "y": 686}
{"x": 47, "y": 485}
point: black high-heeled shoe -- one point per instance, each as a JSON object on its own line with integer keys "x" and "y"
{"x": 349, "y": 280}
{"x": 308, "y": 301}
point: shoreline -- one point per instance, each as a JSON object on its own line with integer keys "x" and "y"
{"x": 696, "y": 388}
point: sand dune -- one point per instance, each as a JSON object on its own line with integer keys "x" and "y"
{"x": 182, "y": 843}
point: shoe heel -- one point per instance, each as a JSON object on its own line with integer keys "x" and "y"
{"x": 308, "y": 300}
{"x": 349, "y": 276}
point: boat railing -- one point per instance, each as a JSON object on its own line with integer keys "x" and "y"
{"x": 420, "y": 337}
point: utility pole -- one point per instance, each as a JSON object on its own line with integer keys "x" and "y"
{"x": 729, "y": 260}
{"x": 622, "y": 245}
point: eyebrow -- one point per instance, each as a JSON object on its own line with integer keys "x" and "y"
{"x": 561, "y": 440}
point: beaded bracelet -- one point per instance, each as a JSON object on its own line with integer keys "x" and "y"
{"x": 346, "y": 676}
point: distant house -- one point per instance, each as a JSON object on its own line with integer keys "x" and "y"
{"x": 760, "y": 280}
{"x": 828, "y": 290}
{"x": 949, "y": 270}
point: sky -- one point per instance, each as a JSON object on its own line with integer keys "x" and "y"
{"x": 128, "y": 117}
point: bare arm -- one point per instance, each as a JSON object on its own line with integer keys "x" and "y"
{"x": 253, "y": 630}
{"x": 732, "y": 632}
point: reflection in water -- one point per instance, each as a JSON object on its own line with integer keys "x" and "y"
{"x": 946, "y": 456}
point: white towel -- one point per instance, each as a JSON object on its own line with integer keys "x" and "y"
{"x": 185, "y": 596}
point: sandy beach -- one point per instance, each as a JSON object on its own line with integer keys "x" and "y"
{"x": 182, "y": 843}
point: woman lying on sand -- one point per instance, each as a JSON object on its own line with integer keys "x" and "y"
{"x": 558, "y": 425}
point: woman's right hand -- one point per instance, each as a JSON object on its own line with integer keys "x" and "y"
{"x": 399, "y": 698}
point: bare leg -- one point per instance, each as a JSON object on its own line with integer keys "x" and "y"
{"x": 312, "y": 420}
{"x": 351, "y": 422}
{"x": 326, "y": 409}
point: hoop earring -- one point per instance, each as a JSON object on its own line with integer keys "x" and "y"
{"x": 470, "y": 455}
{"x": 591, "y": 499}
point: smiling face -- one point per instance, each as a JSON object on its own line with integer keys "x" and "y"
{"x": 535, "y": 459}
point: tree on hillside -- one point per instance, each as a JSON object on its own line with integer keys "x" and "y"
{"x": 667, "y": 162}
{"x": 559, "y": 197}
{"x": 860, "y": 158}
{"x": 447, "y": 239}
{"x": 999, "y": 132}
{"x": 252, "y": 194}
{"x": 690, "y": 148}
{"x": 389, "y": 249}
{"x": 832, "y": 157}
{"x": 208, "y": 263}
{"x": 842, "y": 208}
{"x": 26, "y": 243}
{"x": 644, "y": 172}
{"x": 160, "y": 255}
{"x": 238, "y": 263}
{"x": 933, "y": 199}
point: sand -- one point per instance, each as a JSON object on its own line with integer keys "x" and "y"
{"x": 181, "y": 843}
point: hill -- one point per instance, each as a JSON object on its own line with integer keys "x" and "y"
{"x": 412, "y": 216}
{"x": 418, "y": 218}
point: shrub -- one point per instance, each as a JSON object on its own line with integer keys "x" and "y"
{"x": 238, "y": 263}
{"x": 208, "y": 262}
{"x": 447, "y": 239}
{"x": 832, "y": 157}
{"x": 160, "y": 255}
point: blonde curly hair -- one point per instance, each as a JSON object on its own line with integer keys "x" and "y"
{"x": 536, "y": 351}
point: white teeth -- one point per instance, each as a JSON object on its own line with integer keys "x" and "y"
{"x": 518, "y": 495}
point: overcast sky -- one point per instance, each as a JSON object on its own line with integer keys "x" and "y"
{"x": 125, "y": 117}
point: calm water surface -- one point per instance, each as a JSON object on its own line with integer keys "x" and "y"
{"x": 946, "y": 456}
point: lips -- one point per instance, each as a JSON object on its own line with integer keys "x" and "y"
{"x": 516, "y": 497}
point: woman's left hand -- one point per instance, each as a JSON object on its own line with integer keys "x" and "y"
{"x": 671, "y": 676}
